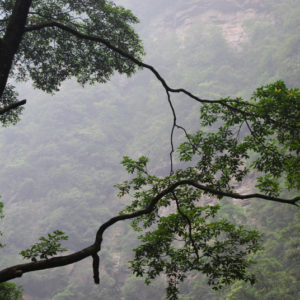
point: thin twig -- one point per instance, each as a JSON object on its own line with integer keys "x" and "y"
{"x": 172, "y": 132}
{"x": 138, "y": 63}
{"x": 189, "y": 225}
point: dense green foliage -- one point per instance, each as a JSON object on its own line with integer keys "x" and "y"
{"x": 10, "y": 96}
{"x": 65, "y": 155}
{"x": 47, "y": 247}
{"x": 186, "y": 240}
{"x": 49, "y": 55}
{"x": 9, "y": 291}
{"x": 271, "y": 121}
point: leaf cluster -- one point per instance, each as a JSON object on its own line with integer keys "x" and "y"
{"x": 190, "y": 239}
{"x": 50, "y": 55}
{"x": 222, "y": 250}
{"x": 9, "y": 96}
{"x": 266, "y": 128}
{"x": 47, "y": 247}
{"x": 11, "y": 291}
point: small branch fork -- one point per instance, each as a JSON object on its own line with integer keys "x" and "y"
{"x": 189, "y": 224}
{"x": 19, "y": 270}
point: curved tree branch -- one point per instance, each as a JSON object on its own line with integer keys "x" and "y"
{"x": 11, "y": 106}
{"x": 19, "y": 270}
{"x": 98, "y": 39}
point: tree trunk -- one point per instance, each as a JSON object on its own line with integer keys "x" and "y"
{"x": 9, "y": 44}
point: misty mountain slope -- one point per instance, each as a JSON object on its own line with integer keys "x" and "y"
{"x": 60, "y": 162}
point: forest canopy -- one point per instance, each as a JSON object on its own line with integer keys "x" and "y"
{"x": 52, "y": 41}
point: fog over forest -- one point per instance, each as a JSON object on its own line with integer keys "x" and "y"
{"x": 60, "y": 162}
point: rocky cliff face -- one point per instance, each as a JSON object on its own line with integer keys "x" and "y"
{"x": 229, "y": 16}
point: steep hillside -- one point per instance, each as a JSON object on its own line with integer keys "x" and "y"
{"x": 60, "y": 162}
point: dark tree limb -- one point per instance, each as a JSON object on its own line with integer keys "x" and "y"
{"x": 94, "y": 38}
{"x": 96, "y": 265}
{"x": 11, "y": 106}
{"x": 172, "y": 132}
{"x": 12, "y": 38}
{"x": 19, "y": 270}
